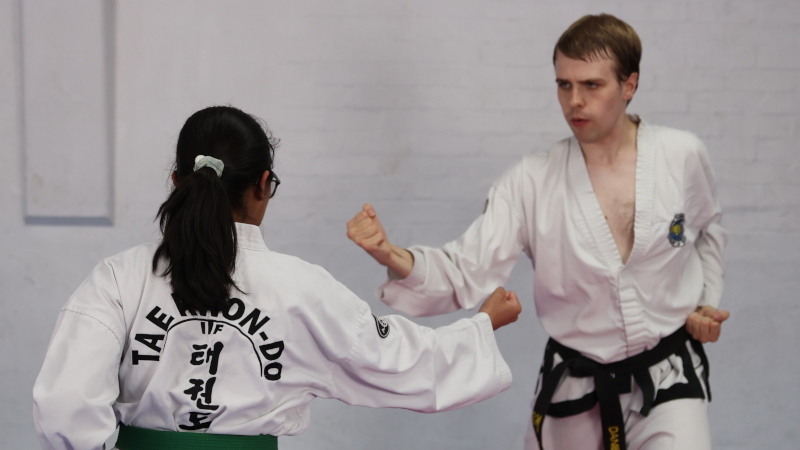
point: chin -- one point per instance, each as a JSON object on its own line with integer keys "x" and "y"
{"x": 583, "y": 137}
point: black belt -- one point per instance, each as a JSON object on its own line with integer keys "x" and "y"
{"x": 613, "y": 379}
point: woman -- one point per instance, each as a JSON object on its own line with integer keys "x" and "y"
{"x": 209, "y": 338}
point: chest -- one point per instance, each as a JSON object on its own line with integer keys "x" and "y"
{"x": 614, "y": 187}
{"x": 581, "y": 215}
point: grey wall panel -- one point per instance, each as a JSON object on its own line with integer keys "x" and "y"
{"x": 67, "y": 106}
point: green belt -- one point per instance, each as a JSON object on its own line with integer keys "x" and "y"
{"x": 132, "y": 438}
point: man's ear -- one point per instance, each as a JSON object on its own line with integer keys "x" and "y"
{"x": 629, "y": 86}
{"x": 174, "y": 178}
{"x": 263, "y": 185}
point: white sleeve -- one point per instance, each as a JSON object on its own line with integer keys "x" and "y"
{"x": 713, "y": 237}
{"x": 391, "y": 362}
{"x": 465, "y": 271}
{"x": 398, "y": 364}
{"x": 78, "y": 383}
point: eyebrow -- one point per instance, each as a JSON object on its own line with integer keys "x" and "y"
{"x": 590, "y": 80}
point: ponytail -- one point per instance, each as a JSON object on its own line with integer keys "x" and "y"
{"x": 199, "y": 242}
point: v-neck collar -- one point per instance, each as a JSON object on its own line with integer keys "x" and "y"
{"x": 643, "y": 198}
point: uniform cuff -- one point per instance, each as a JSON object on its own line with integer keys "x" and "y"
{"x": 711, "y": 299}
{"x": 485, "y": 325}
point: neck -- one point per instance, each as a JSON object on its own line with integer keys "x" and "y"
{"x": 241, "y": 218}
{"x": 620, "y": 141}
{"x": 253, "y": 209}
{"x": 248, "y": 216}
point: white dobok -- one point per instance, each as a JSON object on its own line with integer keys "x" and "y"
{"x": 123, "y": 352}
{"x": 585, "y": 297}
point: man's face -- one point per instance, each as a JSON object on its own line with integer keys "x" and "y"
{"x": 592, "y": 99}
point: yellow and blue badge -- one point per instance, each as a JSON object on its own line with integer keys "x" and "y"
{"x": 676, "y": 234}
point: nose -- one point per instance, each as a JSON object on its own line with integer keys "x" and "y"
{"x": 575, "y": 98}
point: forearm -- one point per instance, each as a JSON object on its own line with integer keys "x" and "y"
{"x": 713, "y": 236}
{"x": 443, "y": 281}
{"x": 710, "y": 248}
{"x": 465, "y": 271}
{"x": 77, "y": 386}
{"x": 400, "y": 261}
{"x": 423, "y": 369}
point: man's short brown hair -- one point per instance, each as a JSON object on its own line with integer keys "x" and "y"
{"x": 602, "y": 36}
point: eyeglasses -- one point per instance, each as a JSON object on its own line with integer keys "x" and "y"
{"x": 273, "y": 179}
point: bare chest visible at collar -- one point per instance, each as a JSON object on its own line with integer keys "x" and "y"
{"x": 615, "y": 189}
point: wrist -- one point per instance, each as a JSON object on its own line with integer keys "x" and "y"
{"x": 400, "y": 261}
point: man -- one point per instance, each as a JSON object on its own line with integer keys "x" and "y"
{"x": 622, "y": 224}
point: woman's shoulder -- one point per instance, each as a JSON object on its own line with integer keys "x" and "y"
{"x": 134, "y": 259}
{"x": 295, "y": 270}
{"x": 300, "y": 282}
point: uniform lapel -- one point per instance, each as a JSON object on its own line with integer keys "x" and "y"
{"x": 598, "y": 227}
{"x": 645, "y": 188}
{"x": 643, "y": 215}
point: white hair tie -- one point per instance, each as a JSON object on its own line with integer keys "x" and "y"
{"x": 207, "y": 161}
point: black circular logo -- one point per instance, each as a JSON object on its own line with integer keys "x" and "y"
{"x": 382, "y": 325}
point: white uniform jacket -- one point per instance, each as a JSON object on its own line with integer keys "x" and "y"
{"x": 123, "y": 352}
{"x": 586, "y": 298}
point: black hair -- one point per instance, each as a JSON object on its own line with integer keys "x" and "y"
{"x": 199, "y": 243}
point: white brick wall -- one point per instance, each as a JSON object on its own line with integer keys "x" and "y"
{"x": 416, "y": 106}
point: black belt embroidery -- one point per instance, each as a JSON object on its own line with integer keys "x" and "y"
{"x": 613, "y": 379}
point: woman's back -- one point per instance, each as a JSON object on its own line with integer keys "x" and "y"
{"x": 208, "y": 331}
{"x": 253, "y": 368}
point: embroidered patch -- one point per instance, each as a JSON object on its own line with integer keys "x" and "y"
{"x": 676, "y": 235}
{"x": 382, "y": 325}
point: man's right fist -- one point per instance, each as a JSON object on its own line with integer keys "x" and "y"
{"x": 502, "y": 306}
{"x": 367, "y": 231}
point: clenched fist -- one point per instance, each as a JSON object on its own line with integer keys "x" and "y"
{"x": 366, "y": 230}
{"x": 502, "y": 306}
{"x": 705, "y": 323}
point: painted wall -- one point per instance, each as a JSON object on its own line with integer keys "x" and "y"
{"x": 415, "y": 106}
